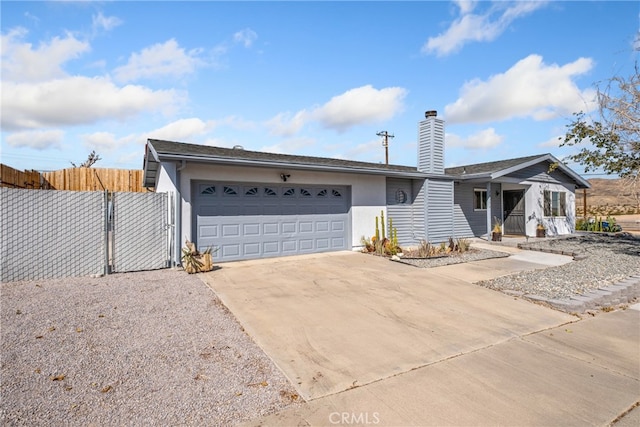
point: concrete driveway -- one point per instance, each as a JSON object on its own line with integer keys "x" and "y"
{"x": 334, "y": 322}
{"x": 367, "y": 341}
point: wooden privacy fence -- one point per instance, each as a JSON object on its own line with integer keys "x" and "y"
{"x": 74, "y": 179}
{"x": 13, "y": 178}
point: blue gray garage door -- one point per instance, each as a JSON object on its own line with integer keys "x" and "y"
{"x": 247, "y": 221}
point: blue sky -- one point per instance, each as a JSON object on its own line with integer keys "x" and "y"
{"x": 308, "y": 78}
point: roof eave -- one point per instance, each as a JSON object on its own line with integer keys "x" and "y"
{"x": 292, "y": 166}
{"x": 580, "y": 182}
{"x": 150, "y": 166}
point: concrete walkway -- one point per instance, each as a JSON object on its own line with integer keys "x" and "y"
{"x": 369, "y": 341}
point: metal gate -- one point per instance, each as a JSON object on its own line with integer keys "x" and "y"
{"x": 51, "y": 234}
{"x": 140, "y": 237}
{"x": 48, "y": 234}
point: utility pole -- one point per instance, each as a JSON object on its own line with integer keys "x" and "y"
{"x": 385, "y": 143}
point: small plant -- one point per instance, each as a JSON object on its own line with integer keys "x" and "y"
{"x": 611, "y": 226}
{"x": 380, "y": 246}
{"x": 426, "y": 249}
{"x": 463, "y": 245}
{"x": 194, "y": 261}
{"x": 496, "y": 232}
{"x": 497, "y": 225}
{"x": 368, "y": 245}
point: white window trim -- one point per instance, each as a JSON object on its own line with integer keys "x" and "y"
{"x": 482, "y": 190}
{"x": 550, "y": 217}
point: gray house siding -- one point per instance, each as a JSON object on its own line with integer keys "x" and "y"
{"x": 431, "y": 146}
{"x": 418, "y": 209}
{"x": 461, "y": 227}
{"x": 468, "y": 221}
{"x": 399, "y": 209}
{"x": 439, "y": 210}
{"x": 540, "y": 173}
{"x": 476, "y": 220}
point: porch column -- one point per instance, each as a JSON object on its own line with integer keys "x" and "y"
{"x": 489, "y": 198}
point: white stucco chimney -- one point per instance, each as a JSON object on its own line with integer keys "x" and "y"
{"x": 431, "y": 143}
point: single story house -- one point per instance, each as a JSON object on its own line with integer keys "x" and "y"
{"x": 251, "y": 204}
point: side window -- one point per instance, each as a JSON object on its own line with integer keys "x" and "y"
{"x": 480, "y": 199}
{"x": 555, "y": 203}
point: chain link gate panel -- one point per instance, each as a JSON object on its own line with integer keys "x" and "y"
{"x": 140, "y": 231}
{"x": 50, "y": 234}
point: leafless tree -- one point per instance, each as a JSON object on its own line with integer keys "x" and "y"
{"x": 91, "y": 160}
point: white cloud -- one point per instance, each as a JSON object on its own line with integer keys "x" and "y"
{"x": 78, "y": 100}
{"x": 484, "y": 139}
{"x": 22, "y": 63}
{"x": 101, "y": 141}
{"x": 552, "y": 142}
{"x": 182, "y": 130}
{"x": 364, "y": 104}
{"x": 107, "y": 142}
{"x": 246, "y": 37}
{"x": 106, "y": 23}
{"x": 482, "y": 27}
{"x": 354, "y": 107}
{"x": 284, "y": 124}
{"x": 465, "y": 6}
{"x": 38, "y": 139}
{"x": 131, "y": 158}
{"x": 528, "y": 89}
{"x": 372, "y": 150}
{"x": 166, "y": 59}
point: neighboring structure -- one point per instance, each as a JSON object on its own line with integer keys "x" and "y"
{"x": 252, "y": 204}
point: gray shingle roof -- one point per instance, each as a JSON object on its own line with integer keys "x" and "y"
{"x": 490, "y": 167}
{"x": 166, "y": 149}
{"x": 497, "y": 169}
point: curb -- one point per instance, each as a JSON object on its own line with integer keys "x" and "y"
{"x": 623, "y": 292}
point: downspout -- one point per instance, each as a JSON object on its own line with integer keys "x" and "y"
{"x": 178, "y": 226}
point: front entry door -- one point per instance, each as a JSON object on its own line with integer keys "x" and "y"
{"x": 514, "y": 212}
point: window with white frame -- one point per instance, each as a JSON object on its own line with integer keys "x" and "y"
{"x": 555, "y": 203}
{"x": 480, "y": 199}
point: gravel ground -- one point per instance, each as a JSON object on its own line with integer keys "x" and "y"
{"x": 474, "y": 254}
{"x": 602, "y": 260}
{"x": 147, "y": 348}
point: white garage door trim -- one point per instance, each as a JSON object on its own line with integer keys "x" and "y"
{"x": 251, "y": 220}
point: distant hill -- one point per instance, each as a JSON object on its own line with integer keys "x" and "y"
{"x": 607, "y": 197}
